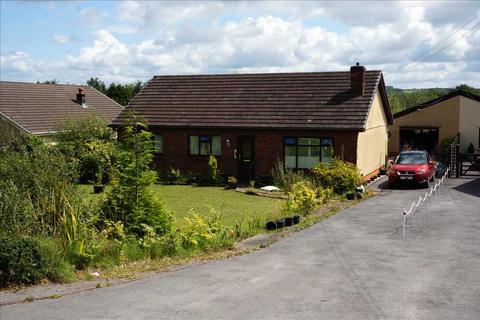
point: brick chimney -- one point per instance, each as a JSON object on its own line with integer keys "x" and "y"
{"x": 357, "y": 79}
{"x": 81, "y": 96}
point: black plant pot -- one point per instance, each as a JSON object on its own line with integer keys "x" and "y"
{"x": 351, "y": 196}
{"x": 271, "y": 225}
{"x": 383, "y": 172}
{"x": 98, "y": 188}
{"x": 280, "y": 223}
{"x": 288, "y": 221}
{"x": 359, "y": 195}
{"x": 296, "y": 219}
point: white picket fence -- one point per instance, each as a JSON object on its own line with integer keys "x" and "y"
{"x": 425, "y": 201}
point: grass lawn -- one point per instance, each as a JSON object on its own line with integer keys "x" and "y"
{"x": 232, "y": 205}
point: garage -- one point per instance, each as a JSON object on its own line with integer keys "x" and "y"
{"x": 418, "y": 139}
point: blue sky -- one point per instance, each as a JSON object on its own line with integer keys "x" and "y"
{"x": 123, "y": 41}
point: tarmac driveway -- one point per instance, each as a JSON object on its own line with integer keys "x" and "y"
{"x": 354, "y": 265}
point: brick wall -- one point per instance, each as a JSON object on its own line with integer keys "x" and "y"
{"x": 268, "y": 148}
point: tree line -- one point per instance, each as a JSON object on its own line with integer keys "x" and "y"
{"x": 401, "y": 99}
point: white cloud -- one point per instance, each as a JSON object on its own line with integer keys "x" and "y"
{"x": 91, "y": 16}
{"x": 224, "y": 37}
{"x": 61, "y": 38}
{"x": 131, "y": 11}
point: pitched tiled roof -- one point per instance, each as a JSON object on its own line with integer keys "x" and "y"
{"x": 317, "y": 100}
{"x": 40, "y": 108}
{"x": 432, "y": 102}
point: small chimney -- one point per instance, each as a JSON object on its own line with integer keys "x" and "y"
{"x": 81, "y": 97}
{"x": 357, "y": 79}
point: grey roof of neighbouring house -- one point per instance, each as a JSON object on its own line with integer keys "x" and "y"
{"x": 314, "y": 100}
{"x": 40, "y": 108}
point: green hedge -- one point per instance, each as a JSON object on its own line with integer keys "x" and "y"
{"x": 21, "y": 261}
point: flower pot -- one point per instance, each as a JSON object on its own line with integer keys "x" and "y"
{"x": 350, "y": 196}
{"x": 280, "y": 223}
{"x": 288, "y": 221}
{"x": 359, "y": 195}
{"x": 271, "y": 225}
{"x": 98, "y": 188}
{"x": 296, "y": 219}
{"x": 383, "y": 172}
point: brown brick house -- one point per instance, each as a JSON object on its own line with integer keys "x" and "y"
{"x": 251, "y": 121}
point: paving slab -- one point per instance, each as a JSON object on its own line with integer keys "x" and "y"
{"x": 354, "y": 265}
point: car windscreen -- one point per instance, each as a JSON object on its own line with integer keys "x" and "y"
{"x": 411, "y": 158}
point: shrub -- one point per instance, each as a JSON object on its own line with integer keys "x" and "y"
{"x": 36, "y": 185}
{"x": 325, "y": 194}
{"x": 21, "y": 261}
{"x": 89, "y": 143}
{"x": 196, "y": 232}
{"x": 174, "y": 176}
{"x": 302, "y": 199}
{"x": 212, "y": 169}
{"x": 285, "y": 178}
{"x": 338, "y": 175}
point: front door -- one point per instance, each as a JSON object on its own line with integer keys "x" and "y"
{"x": 246, "y": 157}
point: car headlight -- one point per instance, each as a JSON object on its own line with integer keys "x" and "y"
{"x": 422, "y": 171}
{"x": 392, "y": 172}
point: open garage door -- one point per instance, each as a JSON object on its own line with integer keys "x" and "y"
{"x": 419, "y": 139}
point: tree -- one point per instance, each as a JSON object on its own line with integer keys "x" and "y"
{"x": 54, "y": 81}
{"x": 97, "y": 84}
{"x": 466, "y": 88}
{"x": 130, "y": 200}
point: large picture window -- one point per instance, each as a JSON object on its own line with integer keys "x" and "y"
{"x": 304, "y": 153}
{"x": 205, "y": 145}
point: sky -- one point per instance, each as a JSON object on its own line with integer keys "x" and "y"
{"x": 418, "y": 44}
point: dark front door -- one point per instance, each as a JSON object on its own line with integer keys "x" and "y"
{"x": 246, "y": 157}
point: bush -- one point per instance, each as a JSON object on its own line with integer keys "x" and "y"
{"x": 21, "y": 261}
{"x": 284, "y": 178}
{"x": 36, "y": 185}
{"x": 212, "y": 169}
{"x": 338, "y": 175}
{"x": 90, "y": 144}
{"x": 302, "y": 199}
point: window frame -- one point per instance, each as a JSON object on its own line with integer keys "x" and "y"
{"x": 296, "y": 138}
{"x": 199, "y": 143}
{"x": 155, "y": 152}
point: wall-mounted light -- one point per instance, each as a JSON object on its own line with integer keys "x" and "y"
{"x": 227, "y": 141}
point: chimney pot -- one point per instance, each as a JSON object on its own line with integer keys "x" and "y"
{"x": 81, "y": 96}
{"x": 357, "y": 79}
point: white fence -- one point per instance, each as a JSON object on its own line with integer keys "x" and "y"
{"x": 424, "y": 201}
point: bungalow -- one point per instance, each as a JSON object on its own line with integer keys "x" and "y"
{"x": 251, "y": 121}
{"x": 426, "y": 125}
{"x": 38, "y": 109}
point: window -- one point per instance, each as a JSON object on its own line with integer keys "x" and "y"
{"x": 304, "y": 153}
{"x": 157, "y": 143}
{"x": 205, "y": 145}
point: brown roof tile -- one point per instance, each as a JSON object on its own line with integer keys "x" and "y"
{"x": 40, "y": 108}
{"x": 316, "y": 100}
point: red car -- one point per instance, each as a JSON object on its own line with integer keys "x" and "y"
{"x": 412, "y": 166}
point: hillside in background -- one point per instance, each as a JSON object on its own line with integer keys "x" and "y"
{"x": 401, "y": 99}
